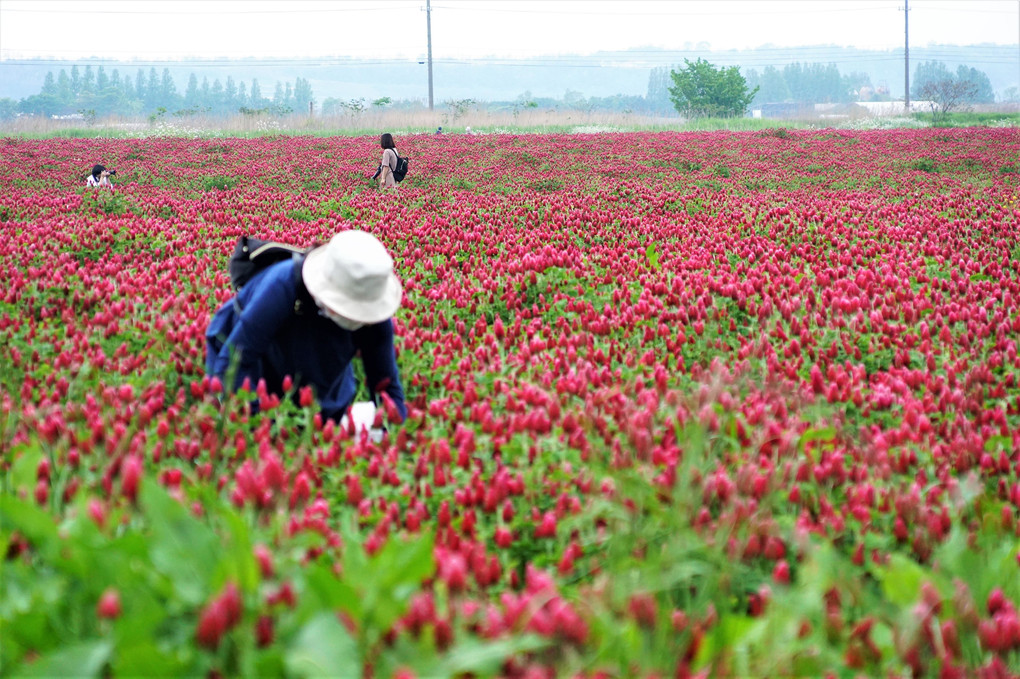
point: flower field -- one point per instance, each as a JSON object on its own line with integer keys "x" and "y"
{"x": 710, "y": 404}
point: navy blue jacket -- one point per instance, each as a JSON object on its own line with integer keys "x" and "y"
{"x": 277, "y": 330}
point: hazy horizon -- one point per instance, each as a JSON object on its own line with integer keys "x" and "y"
{"x": 482, "y": 30}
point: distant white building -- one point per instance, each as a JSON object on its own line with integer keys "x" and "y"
{"x": 891, "y": 108}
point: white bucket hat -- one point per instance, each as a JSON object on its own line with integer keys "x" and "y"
{"x": 352, "y": 275}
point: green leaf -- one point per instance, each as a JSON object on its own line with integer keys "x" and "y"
{"x": 901, "y": 580}
{"x": 731, "y": 632}
{"x": 182, "y": 548}
{"x": 883, "y": 637}
{"x": 393, "y": 576}
{"x": 80, "y": 660}
{"x": 653, "y": 256}
{"x": 355, "y": 560}
{"x": 996, "y": 443}
{"x": 36, "y": 525}
{"x": 146, "y": 660}
{"x": 323, "y": 648}
{"x": 332, "y": 593}
{"x": 239, "y": 564}
{"x": 979, "y": 277}
{"x": 825, "y": 434}
{"x": 406, "y": 563}
{"x": 24, "y": 469}
{"x": 472, "y": 656}
{"x": 821, "y": 435}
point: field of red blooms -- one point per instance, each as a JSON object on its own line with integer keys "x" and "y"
{"x": 720, "y": 404}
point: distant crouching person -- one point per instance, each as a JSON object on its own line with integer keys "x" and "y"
{"x": 100, "y": 176}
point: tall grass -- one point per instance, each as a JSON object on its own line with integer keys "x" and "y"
{"x": 400, "y": 122}
{"x": 368, "y": 122}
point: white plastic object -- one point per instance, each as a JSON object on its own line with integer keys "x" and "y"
{"x": 363, "y": 414}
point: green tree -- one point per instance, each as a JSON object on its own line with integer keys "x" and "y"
{"x": 140, "y": 92}
{"x": 853, "y": 82}
{"x": 102, "y": 79}
{"x": 302, "y": 95}
{"x": 933, "y": 77}
{"x": 130, "y": 101}
{"x": 191, "y": 91}
{"x": 108, "y": 97}
{"x": 152, "y": 95}
{"x": 983, "y": 92}
{"x": 460, "y": 107}
{"x": 88, "y": 81}
{"x": 925, "y": 73}
{"x": 49, "y": 87}
{"x": 255, "y": 94}
{"x": 47, "y": 102}
{"x": 814, "y": 82}
{"x": 574, "y": 100}
{"x": 8, "y": 108}
{"x": 205, "y": 99}
{"x": 770, "y": 84}
{"x": 701, "y": 89}
{"x": 64, "y": 93}
{"x": 230, "y": 95}
{"x": 168, "y": 90}
{"x": 353, "y": 107}
{"x": 217, "y": 99}
{"x": 658, "y": 89}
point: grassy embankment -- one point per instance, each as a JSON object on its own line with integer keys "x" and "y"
{"x": 404, "y": 123}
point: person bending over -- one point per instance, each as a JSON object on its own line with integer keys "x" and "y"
{"x": 307, "y": 319}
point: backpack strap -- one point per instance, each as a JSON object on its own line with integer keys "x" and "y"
{"x": 304, "y": 303}
{"x": 303, "y": 300}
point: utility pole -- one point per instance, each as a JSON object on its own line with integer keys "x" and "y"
{"x": 428, "y": 26}
{"x": 906, "y": 57}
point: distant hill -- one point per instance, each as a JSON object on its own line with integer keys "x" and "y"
{"x": 600, "y": 75}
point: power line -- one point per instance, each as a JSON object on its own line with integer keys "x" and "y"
{"x": 483, "y": 9}
{"x": 805, "y": 51}
{"x": 238, "y": 64}
{"x": 196, "y": 14}
{"x": 813, "y": 10}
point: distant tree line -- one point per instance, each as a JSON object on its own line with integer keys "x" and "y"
{"x": 818, "y": 83}
{"x": 974, "y": 85}
{"x": 98, "y": 93}
{"x": 813, "y": 82}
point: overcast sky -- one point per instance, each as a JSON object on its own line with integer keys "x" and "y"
{"x": 473, "y": 29}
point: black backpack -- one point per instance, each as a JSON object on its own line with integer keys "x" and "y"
{"x": 401, "y": 171}
{"x": 252, "y": 255}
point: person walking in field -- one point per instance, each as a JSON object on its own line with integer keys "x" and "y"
{"x": 100, "y": 176}
{"x": 301, "y": 322}
{"x": 388, "y": 163}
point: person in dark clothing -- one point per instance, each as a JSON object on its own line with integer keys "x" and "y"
{"x": 307, "y": 319}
